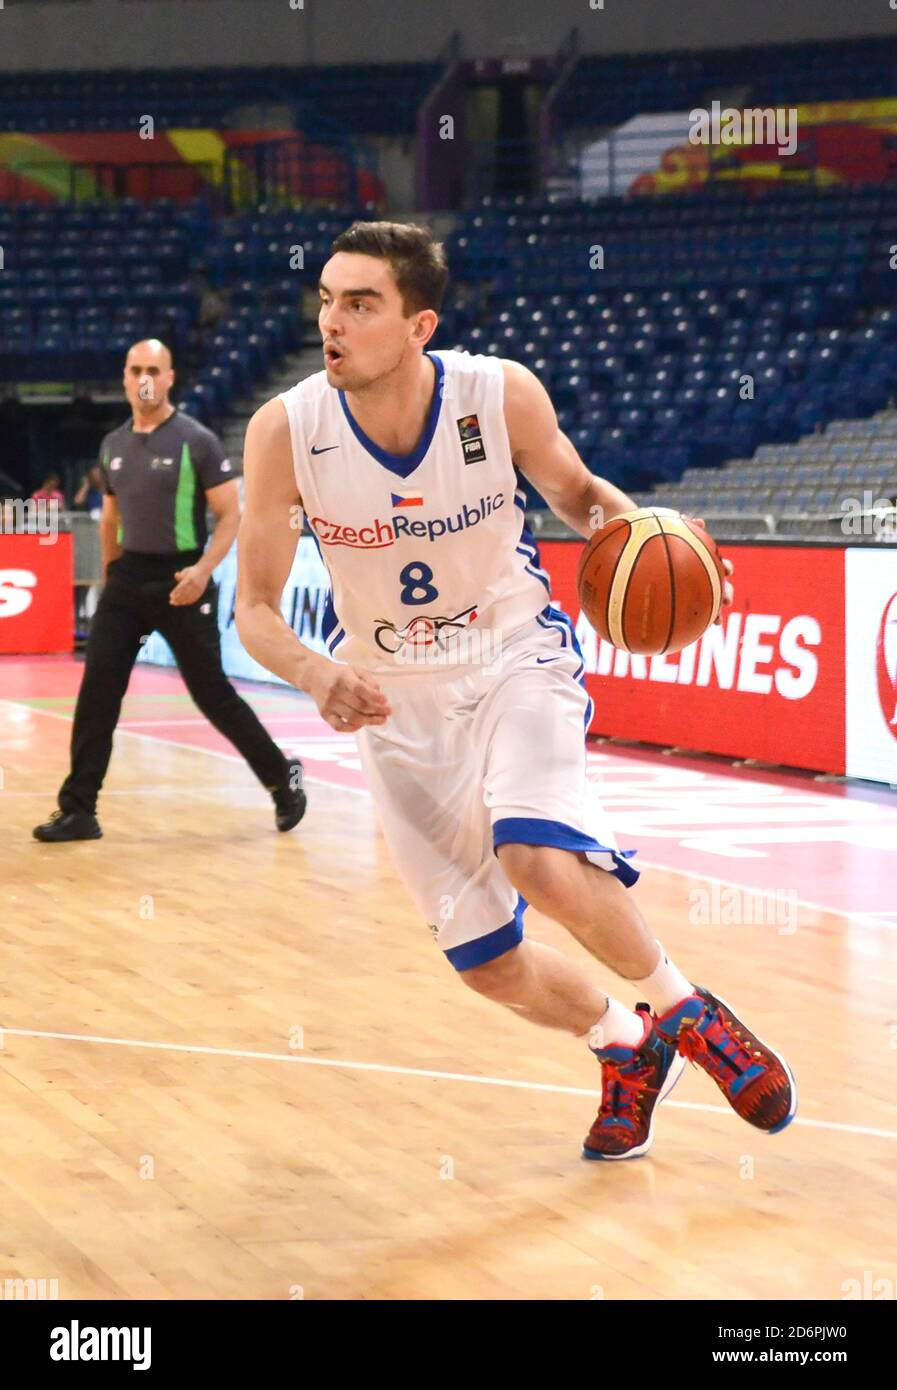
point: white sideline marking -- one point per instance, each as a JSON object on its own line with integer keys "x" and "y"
{"x": 408, "y": 1071}
{"x": 190, "y": 747}
{"x": 164, "y": 790}
{"x": 172, "y": 723}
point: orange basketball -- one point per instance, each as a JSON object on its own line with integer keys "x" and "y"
{"x": 650, "y": 581}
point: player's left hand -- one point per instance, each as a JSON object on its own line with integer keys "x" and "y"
{"x": 192, "y": 584}
{"x": 728, "y": 591}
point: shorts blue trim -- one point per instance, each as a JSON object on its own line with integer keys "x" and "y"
{"x": 491, "y": 946}
{"x": 554, "y": 619}
{"x": 529, "y": 830}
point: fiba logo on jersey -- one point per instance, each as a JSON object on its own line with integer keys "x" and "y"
{"x": 886, "y": 663}
{"x": 471, "y": 437}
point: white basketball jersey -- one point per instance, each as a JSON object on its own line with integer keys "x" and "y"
{"x": 429, "y": 557}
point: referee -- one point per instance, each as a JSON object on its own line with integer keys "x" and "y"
{"x": 160, "y": 471}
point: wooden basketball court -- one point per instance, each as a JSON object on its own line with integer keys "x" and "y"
{"x": 234, "y": 1065}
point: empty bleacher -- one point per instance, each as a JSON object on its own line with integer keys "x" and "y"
{"x": 607, "y": 89}
{"x": 82, "y": 282}
{"x": 809, "y": 488}
{"x": 363, "y": 98}
{"x": 721, "y": 321}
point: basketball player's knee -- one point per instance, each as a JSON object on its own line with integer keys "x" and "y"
{"x": 497, "y": 979}
{"x": 540, "y": 872}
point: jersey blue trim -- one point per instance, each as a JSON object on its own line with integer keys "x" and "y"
{"x": 402, "y": 464}
{"x": 527, "y": 546}
{"x": 494, "y": 944}
{"x": 536, "y": 574}
{"x": 529, "y": 830}
{"x": 330, "y": 622}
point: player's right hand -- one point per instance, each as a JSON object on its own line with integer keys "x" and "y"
{"x": 347, "y": 697}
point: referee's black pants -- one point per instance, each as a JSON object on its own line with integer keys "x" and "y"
{"x": 129, "y": 610}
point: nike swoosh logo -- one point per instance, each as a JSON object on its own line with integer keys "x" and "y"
{"x": 324, "y": 451}
{"x": 541, "y": 660}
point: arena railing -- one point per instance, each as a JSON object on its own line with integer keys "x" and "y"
{"x": 877, "y": 526}
{"x": 722, "y": 525}
{"x": 502, "y": 168}
{"x": 565, "y": 61}
{"x": 279, "y": 172}
{"x": 292, "y": 170}
{"x": 95, "y": 181}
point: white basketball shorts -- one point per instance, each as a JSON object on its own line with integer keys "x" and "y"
{"x": 493, "y": 756}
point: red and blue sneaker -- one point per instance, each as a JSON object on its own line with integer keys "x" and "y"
{"x": 634, "y": 1081}
{"x": 756, "y": 1081}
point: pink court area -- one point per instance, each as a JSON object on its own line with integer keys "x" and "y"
{"x": 825, "y": 844}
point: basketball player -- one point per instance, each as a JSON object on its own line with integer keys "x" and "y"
{"x": 160, "y": 471}
{"x": 406, "y": 465}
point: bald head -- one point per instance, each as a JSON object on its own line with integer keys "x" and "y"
{"x": 148, "y": 379}
{"x": 150, "y": 351}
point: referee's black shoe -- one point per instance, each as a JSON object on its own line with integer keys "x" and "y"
{"x": 289, "y": 798}
{"x": 68, "y": 825}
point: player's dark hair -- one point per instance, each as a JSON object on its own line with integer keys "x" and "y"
{"x": 417, "y": 260}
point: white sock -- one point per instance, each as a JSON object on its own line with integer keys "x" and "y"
{"x": 665, "y": 986}
{"x": 616, "y": 1025}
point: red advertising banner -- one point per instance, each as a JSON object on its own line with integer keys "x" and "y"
{"x": 767, "y": 683}
{"x": 872, "y": 663}
{"x": 36, "y": 594}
